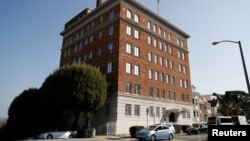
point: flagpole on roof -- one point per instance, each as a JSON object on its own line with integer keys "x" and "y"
{"x": 158, "y": 2}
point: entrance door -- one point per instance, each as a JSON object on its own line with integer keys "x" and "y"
{"x": 172, "y": 117}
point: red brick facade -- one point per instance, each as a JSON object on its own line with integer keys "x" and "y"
{"x": 81, "y": 28}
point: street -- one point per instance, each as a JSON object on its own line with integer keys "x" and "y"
{"x": 177, "y": 137}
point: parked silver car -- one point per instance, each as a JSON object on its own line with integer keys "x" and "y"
{"x": 57, "y": 134}
{"x": 155, "y": 132}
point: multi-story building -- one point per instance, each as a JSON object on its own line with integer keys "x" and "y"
{"x": 145, "y": 60}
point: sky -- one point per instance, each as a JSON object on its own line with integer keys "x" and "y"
{"x": 30, "y": 41}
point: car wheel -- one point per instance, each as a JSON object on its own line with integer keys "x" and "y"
{"x": 71, "y": 136}
{"x": 49, "y": 136}
{"x": 153, "y": 138}
{"x": 170, "y": 137}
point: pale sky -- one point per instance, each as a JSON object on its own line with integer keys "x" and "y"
{"x": 30, "y": 41}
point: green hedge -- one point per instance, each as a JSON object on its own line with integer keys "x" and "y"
{"x": 134, "y": 129}
{"x": 177, "y": 128}
{"x": 184, "y": 128}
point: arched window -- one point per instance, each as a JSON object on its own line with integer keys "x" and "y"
{"x": 129, "y": 14}
{"x": 136, "y": 18}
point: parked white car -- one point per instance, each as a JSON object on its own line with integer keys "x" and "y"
{"x": 57, "y": 134}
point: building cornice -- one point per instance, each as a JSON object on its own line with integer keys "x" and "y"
{"x": 154, "y": 16}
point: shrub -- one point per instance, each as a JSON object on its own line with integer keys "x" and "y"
{"x": 4, "y": 132}
{"x": 184, "y": 128}
{"x": 134, "y": 129}
{"x": 177, "y": 128}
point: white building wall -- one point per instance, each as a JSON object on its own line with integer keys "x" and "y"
{"x": 124, "y": 122}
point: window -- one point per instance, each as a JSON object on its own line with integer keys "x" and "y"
{"x": 167, "y": 79}
{"x": 76, "y": 48}
{"x": 170, "y": 50}
{"x": 136, "y": 34}
{"x": 136, "y": 70}
{"x": 109, "y": 67}
{"x": 169, "y": 36}
{"x": 158, "y": 111}
{"x": 128, "y": 30}
{"x": 111, "y": 14}
{"x": 180, "y": 68}
{"x": 110, "y": 48}
{"x": 161, "y": 60}
{"x": 159, "y": 30}
{"x": 163, "y": 93}
{"x": 151, "y": 111}
{"x": 149, "y": 25}
{"x": 149, "y": 40}
{"x": 154, "y": 28}
{"x": 182, "y": 97}
{"x": 150, "y": 74}
{"x": 166, "y": 63}
{"x": 99, "y": 52}
{"x": 136, "y": 51}
{"x": 101, "y": 19}
{"x": 161, "y": 75}
{"x": 150, "y": 56}
{"x": 90, "y": 55}
{"x": 183, "y": 56}
{"x": 91, "y": 39}
{"x": 137, "y": 89}
{"x": 65, "y": 53}
{"x": 172, "y": 80}
{"x": 136, "y": 18}
{"x": 163, "y": 112}
{"x": 160, "y": 45}
{"x": 170, "y": 64}
{"x": 157, "y": 92}
{"x": 128, "y": 109}
{"x": 173, "y": 96}
{"x": 184, "y": 115}
{"x": 129, "y": 14}
{"x": 155, "y": 43}
{"x": 128, "y": 88}
{"x": 168, "y": 94}
{"x": 100, "y": 34}
{"x": 137, "y": 110}
{"x": 128, "y": 48}
{"x": 92, "y": 23}
{"x": 182, "y": 44}
{"x": 86, "y": 41}
{"x": 156, "y": 75}
{"x": 155, "y": 58}
{"x": 178, "y": 41}
{"x": 184, "y": 70}
{"x": 188, "y": 114}
{"x": 179, "y": 54}
{"x": 164, "y": 34}
{"x": 111, "y": 30}
{"x": 80, "y": 46}
{"x": 151, "y": 91}
{"x": 128, "y": 67}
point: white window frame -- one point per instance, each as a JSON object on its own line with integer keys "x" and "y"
{"x": 136, "y": 18}
{"x": 137, "y": 51}
{"x": 136, "y": 34}
{"x": 129, "y": 30}
{"x": 128, "y": 48}
{"x": 129, "y": 14}
{"x": 149, "y": 40}
{"x": 136, "y": 70}
{"x": 150, "y": 74}
{"x": 128, "y": 67}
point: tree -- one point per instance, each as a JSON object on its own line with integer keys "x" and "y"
{"x": 26, "y": 117}
{"x": 77, "y": 87}
{"x": 234, "y": 103}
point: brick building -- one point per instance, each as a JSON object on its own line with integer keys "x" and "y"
{"x": 145, "y": 61}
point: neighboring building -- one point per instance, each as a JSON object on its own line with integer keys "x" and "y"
{"x": 145, "y": 60}
{"x": 214, "y": 103}
{"x": 201, "y": 107}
